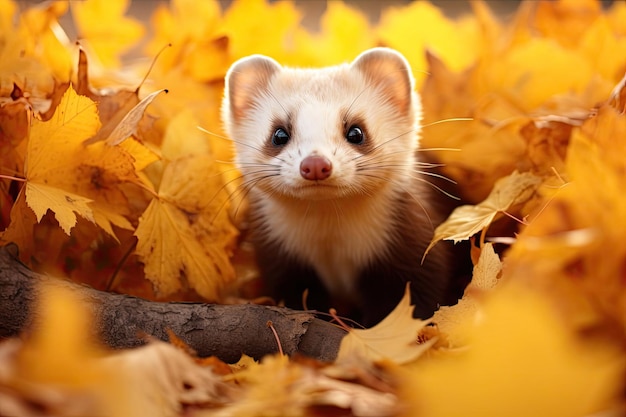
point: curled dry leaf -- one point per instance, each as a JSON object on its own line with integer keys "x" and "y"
{"x": 394, "y": 338}
{"x": 465, "y": 221}
{"x": 166, "y": 379}
{"x": 116, "y": 131}
{"x": 452, "y": 322}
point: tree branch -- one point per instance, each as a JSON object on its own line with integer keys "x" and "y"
{"x": 121, "y": 321}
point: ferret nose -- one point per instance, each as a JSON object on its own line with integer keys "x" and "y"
{"x": 315, "y": 167}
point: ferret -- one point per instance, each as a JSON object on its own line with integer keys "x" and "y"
{"x": 339, "y": 203}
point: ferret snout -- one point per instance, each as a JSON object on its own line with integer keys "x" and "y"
{"x": 315, "y": 167}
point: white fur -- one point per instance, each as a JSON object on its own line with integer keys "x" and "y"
{"x": 339, "y": 224}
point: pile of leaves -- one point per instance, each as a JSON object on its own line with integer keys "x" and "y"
{"x": 112, "y": 181}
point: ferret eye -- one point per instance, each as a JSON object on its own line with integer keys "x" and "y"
{"x": 280, "y": 137}
{"x": 355, "y": 135}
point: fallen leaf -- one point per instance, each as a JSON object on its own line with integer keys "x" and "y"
{"x": 394, "y": 338}
{"x": 167, "y": 380}
{"x": 452, "y": 322}
{"x": 184, "y": 236}
{"x": 75, "y": 117}
{"x": 56, "y": 368}
{"x": 116, "y": 131}
{"x": 299, "y": 390}
{"x": 559, "y": 251}
{"x": 522, "y": 362}
{"x": 41, "y": 198}
{"x": 465, "y": 221}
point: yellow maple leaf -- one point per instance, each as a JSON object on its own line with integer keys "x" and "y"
{"x": 102, "y": 25}
{"x": 184, "y": 236}
{"x": 465, "y": 221}
{"x": 70, "y": 179}
{"x": 76, "y": 117}
{"x": 42, "y": 198}
{"x": 394, "y": 338}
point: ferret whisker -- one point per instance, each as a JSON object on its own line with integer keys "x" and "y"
{"x": 246, "y": 188}
{"x": 436, "y": 187}
{"x": 353, "y": 102}
{"x": 238, "y": 142}
{"x": 242, "y": 191}
{"x": 230, "y": 195}
{"x": 438, "y": 149}
{"x": 419, "y": 203}
{"x": 247, "y": 163}
{"x": 434, "y": 174}
{"x": 243, "y": 188}
{"x": 237, "y": 178}
{"x": 277, "y": 101}
{"x": 225, "y": 171}
{"x": 392, "y": 166}
{"x": 306, "y": 211}
{"x": 404, "y": 151}
{"x": 338, "y": 212}
{"x": 452, "y": 119}
{"x": 375, "y": 148}
{"x": 200, "y": 128}
{"x": 411, "y": 194}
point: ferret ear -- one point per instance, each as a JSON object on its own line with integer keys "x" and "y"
{"x": 390, "y": 72}
{"x": 245, "y": 80}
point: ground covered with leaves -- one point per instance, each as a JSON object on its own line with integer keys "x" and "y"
{"x": 116, "y": 173}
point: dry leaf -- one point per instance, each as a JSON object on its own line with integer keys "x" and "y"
{"x": 466, "y": 221}
{"x": 394, "y": 338}
{"x": 299, "y": 390}
{"x": 57, "y": 367}
{"x": 75, "y": 118}
{"x": 166, "y": 379}
{"x": 185, "y": 234}
{"x": 454, "y": 321}
{"x": 522, "y": 362}
{"x": 115, "y": 132}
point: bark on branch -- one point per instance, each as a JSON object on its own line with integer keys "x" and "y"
{"x": 226, "y": 331}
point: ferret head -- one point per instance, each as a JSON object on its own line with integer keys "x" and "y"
{"x": 314, "y": 134}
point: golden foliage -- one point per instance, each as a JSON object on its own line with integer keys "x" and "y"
{"x": 119, "y": 189}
